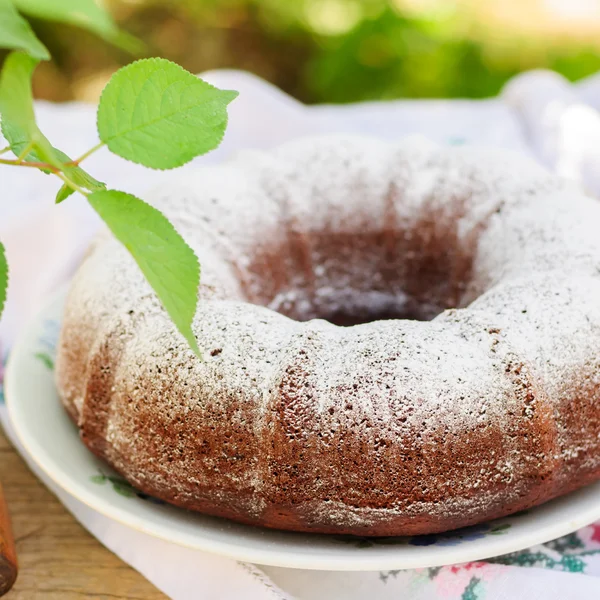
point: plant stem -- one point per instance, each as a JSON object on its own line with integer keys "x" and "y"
{"x": 18, "y": 162}
{"x": 71, "y": 184}
{"x": 88, "y": 153}
{"x": 36, "y": 165}
{"x": 5, "y": 150}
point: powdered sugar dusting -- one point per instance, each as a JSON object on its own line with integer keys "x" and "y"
{"x": 388, "y": 427}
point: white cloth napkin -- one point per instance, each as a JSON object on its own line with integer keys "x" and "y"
{"x": 539, "y": 114}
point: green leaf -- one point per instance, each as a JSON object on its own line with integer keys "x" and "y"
{"x": 86, "y": 14}
{"x": 3, "y": 277}
{"x": 500, "y": 529}
{"x": 123, "y": 488}
{"x": 155, "y": 113}
{"x": 46, "y": 359}
{"x": 63, "y": 193}
{"x": 78, "y": 176}
{"x": 167, "y": 262}
{"x": 16, "y": 109}
{"x": 81, "y": 179}
{"x": 20, "y": 128}
{"x": 16, "y": 34}
{"x": 99, "y": 479}
{"x": 19, "y": 141}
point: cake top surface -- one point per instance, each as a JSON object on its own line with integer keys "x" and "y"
{"x": 489, "y": 265}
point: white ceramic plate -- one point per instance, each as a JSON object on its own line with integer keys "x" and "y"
{"x": 51, "y": 440}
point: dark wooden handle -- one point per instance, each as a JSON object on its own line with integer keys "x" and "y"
{"x": 8, "y": 555}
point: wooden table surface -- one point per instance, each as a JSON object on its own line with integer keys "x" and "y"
{"x": 58, "y": 559}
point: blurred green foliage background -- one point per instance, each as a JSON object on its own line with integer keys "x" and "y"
{"x": 339, "y": 50}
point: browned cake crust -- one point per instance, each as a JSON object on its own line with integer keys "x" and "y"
{"x": 480, "y": 398}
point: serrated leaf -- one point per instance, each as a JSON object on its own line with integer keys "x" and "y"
{"x": 167, "y": 262}
{"x": 16, "y": 33}
{"x": 86, "y": 14}
{"x": 16, "y": 109}
{"x": 3, "y": 277}
{"x": 155, "y": 113}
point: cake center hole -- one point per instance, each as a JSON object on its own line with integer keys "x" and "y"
{"x": 367, "y": 314}
{"x": 414, "y": 273}
{"x": 346, "y": 307}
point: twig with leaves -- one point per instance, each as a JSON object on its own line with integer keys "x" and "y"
{"x": 152, "y": 112}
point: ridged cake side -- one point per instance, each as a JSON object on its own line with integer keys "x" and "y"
{"x": 387, "y": 428}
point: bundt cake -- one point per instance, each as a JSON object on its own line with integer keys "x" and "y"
{"x": 398, "y": 339}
